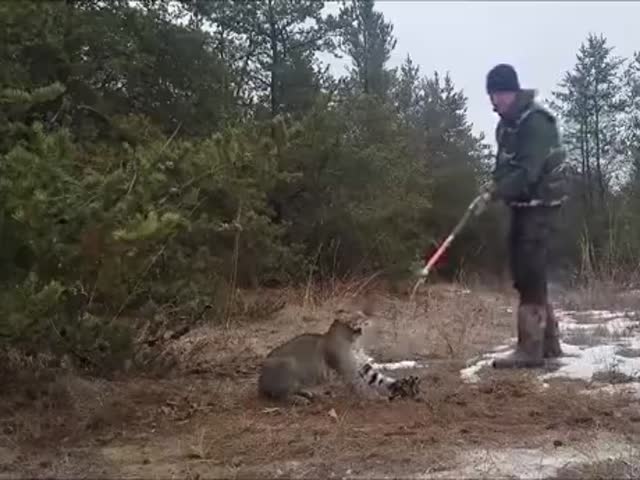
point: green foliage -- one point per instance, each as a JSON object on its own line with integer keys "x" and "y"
{"x": 114, "y": 59}
{"x": 138, "y": 174}
{"x": 270, "y": 46}
{"x": 360, "y": 193}
{"x": 131, "y": 225}
{"x": 156, "y": 156}
{"x": 598, "y": 103}
{"x": 368, "y": 40}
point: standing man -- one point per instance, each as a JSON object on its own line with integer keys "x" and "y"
{"x": 528, "y": 178}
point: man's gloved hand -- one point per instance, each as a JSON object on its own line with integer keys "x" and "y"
{"x": 485, "y": 197}
{"x": 482, "y": 203}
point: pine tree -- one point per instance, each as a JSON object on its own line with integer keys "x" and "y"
{"x": 267, "y": 40}
{"x": 589, "y": 101}
{"x": 368, "y": 40}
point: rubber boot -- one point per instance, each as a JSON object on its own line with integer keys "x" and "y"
{"x": 552, "y": 347}
{"x": 530, "y": 348}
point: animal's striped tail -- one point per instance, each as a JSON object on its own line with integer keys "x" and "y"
{"x": 392, "y": 387}
{"x": 374, "y": 378}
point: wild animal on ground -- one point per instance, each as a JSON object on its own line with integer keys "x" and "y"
{"x": 308, "y": 360}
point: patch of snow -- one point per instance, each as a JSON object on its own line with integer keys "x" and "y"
{"x": 616, "y": 326}
{"x": 363, "y": 357}
{"x": 590, "y": 360}
{"x": 581, "y": 362}
{"x": 470, "y": 373}
{"x": 596, "y": 314}
{"x": 526, "y": 463}
{"x": 398, "y": 365}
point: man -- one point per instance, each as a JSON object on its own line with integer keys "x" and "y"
{"x": 528, "y": 178}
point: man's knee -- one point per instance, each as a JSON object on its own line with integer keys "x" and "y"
{"x": 536, "y": 284}
{"x": 529, "y": 271}
{"x": 531, "y": 257}
{"x": 531, "y": 284}
{"x": 529, "y": 253}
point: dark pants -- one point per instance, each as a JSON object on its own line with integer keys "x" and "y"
{"x": 531, "y": 229}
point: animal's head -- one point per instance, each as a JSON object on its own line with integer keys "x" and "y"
{"x": 350, "y": 319}
{"x": 345, "y": 330}
{"x": 348, "y": 324}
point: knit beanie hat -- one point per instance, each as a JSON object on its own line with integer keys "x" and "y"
{"x": 502, "y": 78}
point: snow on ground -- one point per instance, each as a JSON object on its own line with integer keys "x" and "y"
{"x": 363, "y": 357}
{"x": 593, "y": 342}
{"x": 584, "y": 363}
{"x": 404, "y": 364}
{"x": 528, "y": 463}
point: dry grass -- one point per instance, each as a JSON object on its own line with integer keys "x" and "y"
{"x": 625, "y": 468}
{"x": 234, "y": 432}
{"x": 446, "y": 323}
{"x": 601, "y": 295}
{"x": 613, "y": 376}
{"x": 205, "y": 418}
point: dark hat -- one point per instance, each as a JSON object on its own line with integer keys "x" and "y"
{"x": 502, "y": 78}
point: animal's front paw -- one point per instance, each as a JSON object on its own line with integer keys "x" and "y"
{"x": 405, "y": 387}
{"x": 306, "y": 394}
{"x": 301, "y": 400}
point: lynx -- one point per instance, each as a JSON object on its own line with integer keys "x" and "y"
{"x": 307, "y": 360}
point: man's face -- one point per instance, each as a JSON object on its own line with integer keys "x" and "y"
{"x": 501, "y": 101}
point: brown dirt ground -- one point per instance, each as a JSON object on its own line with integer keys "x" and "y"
{"x": 205, "y": 420}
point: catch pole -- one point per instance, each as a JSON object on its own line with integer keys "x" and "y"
{"x": 424, "y": 272}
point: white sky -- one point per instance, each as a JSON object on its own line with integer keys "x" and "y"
{"x": 540, "y": 39}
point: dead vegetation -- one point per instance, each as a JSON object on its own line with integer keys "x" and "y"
{"x": 204, "y": 418}
{"x": 192, "y": 424}
{"x": 625, "y": 468}
{"x": 613, "y": 376}
{"x": 598, "y": 294}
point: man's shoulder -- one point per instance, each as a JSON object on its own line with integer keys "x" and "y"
{"x": 537, "y": 113}
{"x": 539, "y": 126}
{"x": 538, "y": 121}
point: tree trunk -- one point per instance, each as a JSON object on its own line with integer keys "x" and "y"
{"x": 275, "y": 61}
{"x": 598, "y": 147}
{"x": 587, "y": 148}
{"x": 583, "y": 169}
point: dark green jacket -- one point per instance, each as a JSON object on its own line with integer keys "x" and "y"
{"x": 529, "y": 168}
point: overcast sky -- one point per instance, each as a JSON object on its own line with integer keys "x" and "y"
{"x": 540, "y": 39}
